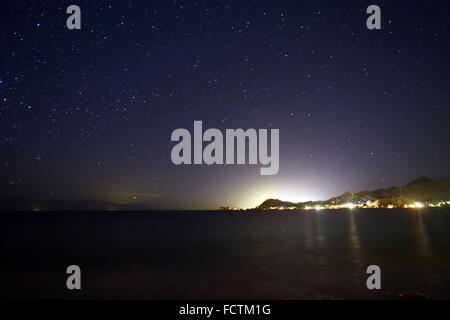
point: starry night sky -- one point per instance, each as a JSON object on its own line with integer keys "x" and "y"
{"x": 88, "y": 114}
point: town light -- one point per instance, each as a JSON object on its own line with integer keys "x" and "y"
{"x": 418, "y": 204}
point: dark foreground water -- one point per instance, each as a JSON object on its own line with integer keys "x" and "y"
{"x": 213, "y": 255}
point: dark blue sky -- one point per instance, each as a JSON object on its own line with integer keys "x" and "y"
{"x": 89, "y": 113}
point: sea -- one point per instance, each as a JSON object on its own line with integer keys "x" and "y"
{"x": 226, "y": 255}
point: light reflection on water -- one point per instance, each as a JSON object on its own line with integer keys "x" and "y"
{"x": 421, "y": 236}
{"x": 355, "y": 246}
{"x": 321, "y": 240}
{"x": 182, "y": 255}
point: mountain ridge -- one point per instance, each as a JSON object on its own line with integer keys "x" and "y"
{"x": 420, "y": 189}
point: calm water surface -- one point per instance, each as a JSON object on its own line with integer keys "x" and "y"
{"x": 198, "y": 255}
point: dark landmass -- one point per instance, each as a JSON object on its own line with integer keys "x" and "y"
{"x": 30, "y": 204}
{"x": 422, "y": 189}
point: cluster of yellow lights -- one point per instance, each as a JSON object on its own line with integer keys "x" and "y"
{"x": 369, "y": 204}
{"x": 439, "y": 204}
{"x": 342, "y": 206}
{"x": 415, "y": 205}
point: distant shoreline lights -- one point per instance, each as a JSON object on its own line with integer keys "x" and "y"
{"x": 351, "y": 205}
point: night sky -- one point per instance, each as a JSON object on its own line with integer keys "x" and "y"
{"x": 88, "y": 114}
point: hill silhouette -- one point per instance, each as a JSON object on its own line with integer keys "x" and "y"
{"x": 31, "y": 204}
{"x": 420, "y": 189}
